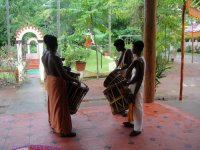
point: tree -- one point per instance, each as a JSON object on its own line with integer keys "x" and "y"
{"x": 2, "y": 25}
{"x": 8, "y": 21}
{"x": 169, "y": 25}
{"x": 58, "y": 18}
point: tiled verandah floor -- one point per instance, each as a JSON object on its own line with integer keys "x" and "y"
{"x": 165, "y": 128}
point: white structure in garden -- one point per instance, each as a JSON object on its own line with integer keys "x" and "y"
{"x": 39, "y": 38}
{"x": 29, "y": 43}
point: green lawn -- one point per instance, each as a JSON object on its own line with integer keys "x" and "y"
{"x": 91, "y": 64}
{"x": 102, "y": 63}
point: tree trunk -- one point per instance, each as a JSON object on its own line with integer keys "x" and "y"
{"x": 97, "y": 58}
{"x": 8, "y": 22}
{"x": 58, "y": 23}
{"x": 58, "y": 18}
{"x": 109, "y": 27}
{"x": 182, "y": 52}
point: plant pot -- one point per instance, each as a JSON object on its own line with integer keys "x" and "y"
{"x": 80, "y": 65}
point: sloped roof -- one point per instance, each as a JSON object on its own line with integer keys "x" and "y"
{"x": 193, "y": 7}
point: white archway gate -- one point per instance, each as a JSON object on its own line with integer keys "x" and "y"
{"x": 39, "y": 36}
{"x": 29, "y": 42}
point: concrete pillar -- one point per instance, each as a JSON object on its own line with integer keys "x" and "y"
{"x": 37, "y": 45}
{"x": 150, "y": 49}
{"x": 41, "y": 67}
{"x": 19, "y": 60}
{"x": 29, "y": 49}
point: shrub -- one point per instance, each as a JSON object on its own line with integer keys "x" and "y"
{"x": 162, "y": 64}
{"x": 75, "y": 53}
{"x": 8, "y": 59}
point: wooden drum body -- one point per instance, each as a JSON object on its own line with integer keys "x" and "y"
{"x": 113, "y": 78}
{"x": 76, "y": 94}
{"x": 74, "y": 74}
{"x": 116, "y": 97}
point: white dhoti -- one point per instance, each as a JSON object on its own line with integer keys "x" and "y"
{"x": 138, "y": 108}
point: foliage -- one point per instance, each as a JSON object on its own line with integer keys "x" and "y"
{"x": 2, "y": 23}
{"x": 81, "y": 54}
{"x": 92, "y": 63}
{"x": 7, "y": 79}
{"x": 8, "y": 60}
{"x": 75, "y": 53}
{"x": 69, "y": 57}
{"x": 169, "y": 25}
{"x": 162, "y": 64}
{"x": 79, "y": 15}
{"x": 88, "y": 14}
{"x": 129, "y": 18}
{"x": 72, "y": 51}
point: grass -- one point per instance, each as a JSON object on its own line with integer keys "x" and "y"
{"x": 7, "y": 78}
{"x": 91, "y": 64}
{"x": 5, "y": 75}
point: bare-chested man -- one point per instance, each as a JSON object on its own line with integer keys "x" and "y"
{"x": 135, "y": 84}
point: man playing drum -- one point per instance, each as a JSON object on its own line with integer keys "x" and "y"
{"x": 124, "y": 62}
{"x": 135, "y": 84}
{"x": 58, "y": 104}
{"x": 125, "y": 58}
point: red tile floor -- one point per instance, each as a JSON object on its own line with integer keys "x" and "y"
{"x": 165, "y": 128}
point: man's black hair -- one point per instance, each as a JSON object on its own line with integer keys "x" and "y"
{"x": 139, "y": 45}
{"x": 45, "y": 38}
{"x": 51, "y": 42}
{"x": 119, "y": 42}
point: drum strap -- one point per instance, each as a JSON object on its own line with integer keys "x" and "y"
{"x": 116, "y": 100}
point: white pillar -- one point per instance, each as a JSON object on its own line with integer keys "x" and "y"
{"x": 19, "y": 59}
{"x": 37, "y": 45}
{"x": 41, "y": 67}
{"x": 28, "y": 46}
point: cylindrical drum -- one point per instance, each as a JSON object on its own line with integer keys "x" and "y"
{"x": 74, "y": 74}
{"x": 71, "y": 73}
{"x": 116, "y": 97}
{"x": 113, "y": 78}
{"x": 76, "y": 94}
